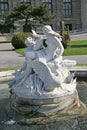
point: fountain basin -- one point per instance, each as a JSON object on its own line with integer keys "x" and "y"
{"x": 27, "y": 105}
{"x": 32, "y": 121}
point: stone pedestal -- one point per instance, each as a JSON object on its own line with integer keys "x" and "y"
{"x": 49, "y": 106}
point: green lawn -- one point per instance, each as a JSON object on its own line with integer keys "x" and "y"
{"x": 75, "y": 48}
{"x": 2, "y": 42}
{"x": 82, "y": 43}
{"x": 20, "y": 51}
{"x": 75, "y": 51}
{"x": 7, "y": 69}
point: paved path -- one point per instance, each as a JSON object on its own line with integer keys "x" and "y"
{"x": 81, "y": 59}
{"x": 9, "y": 58}
{"x": 81, "y": 36}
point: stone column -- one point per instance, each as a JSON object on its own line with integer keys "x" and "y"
{"x": 84, "y": 13}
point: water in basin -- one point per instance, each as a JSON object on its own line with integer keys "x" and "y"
{"x": 32, "y": 122}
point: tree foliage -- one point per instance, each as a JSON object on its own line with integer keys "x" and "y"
{"x": 5, "y": 25}
{"x": 29, "y": 14}
{"x": 41, "y": 13}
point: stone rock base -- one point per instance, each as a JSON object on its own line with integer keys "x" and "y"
{"x": 69, "y": 104}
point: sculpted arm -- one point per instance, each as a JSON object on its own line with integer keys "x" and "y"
{"x": 60, "y": 46}
{"x": 39, "y": 43}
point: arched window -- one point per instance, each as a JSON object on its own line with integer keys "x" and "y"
{"x": 67, "y": 7}
{"x": 3, "y": 6}
{"x": 49, "y": 4}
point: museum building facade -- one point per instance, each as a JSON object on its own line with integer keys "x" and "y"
{"x": 72, "y": 12}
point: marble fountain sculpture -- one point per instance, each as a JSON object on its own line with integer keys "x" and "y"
{"x": 44, "y": 84}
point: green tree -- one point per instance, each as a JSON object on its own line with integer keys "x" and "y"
{"x": 4, "y": 25}
{"x": 29, "y": 14}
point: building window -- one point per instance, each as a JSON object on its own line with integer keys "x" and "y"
{"x": 49, "y": 4}
{"x": 67, "y": 7}
{"x": 25, "y": 1}
{"x": 3, "y": 6}
{"x": 69, "y": 26}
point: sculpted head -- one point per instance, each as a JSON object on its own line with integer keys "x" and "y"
{"x": 29, "y": 41}
{"x": 47, "y": 29}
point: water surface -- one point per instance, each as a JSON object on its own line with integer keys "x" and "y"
{"x": 30, "y": 122}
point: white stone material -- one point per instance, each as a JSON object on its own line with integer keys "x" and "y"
{"x": 44, "y": 75}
